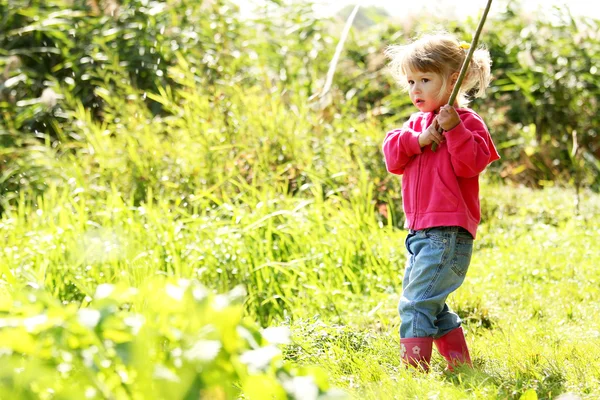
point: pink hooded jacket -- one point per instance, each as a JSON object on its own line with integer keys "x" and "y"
{"x": 441, "y": 188}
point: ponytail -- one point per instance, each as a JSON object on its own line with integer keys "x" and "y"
{"x": 478, "y": 75}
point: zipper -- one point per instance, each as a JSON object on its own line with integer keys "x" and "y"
{"x": 419, "y": 177}
{"x": 417, "y": 193}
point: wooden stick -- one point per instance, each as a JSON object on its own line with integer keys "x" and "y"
{"x": 465, "y": 66}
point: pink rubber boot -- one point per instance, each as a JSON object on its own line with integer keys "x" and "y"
{"x": 453, "y": 347}
{"x": 416, "y": 352}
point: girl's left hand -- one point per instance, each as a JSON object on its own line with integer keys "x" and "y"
{"x": 448, "y": 118}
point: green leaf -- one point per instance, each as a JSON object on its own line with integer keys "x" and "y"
{"x": 530, "y": 394}
{"x": 258, "y": 387}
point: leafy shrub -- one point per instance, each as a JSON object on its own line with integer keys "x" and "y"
{"x": 165, "y": 340}
{"x": 541, "y": 107}
{"x": 547, "y": 86}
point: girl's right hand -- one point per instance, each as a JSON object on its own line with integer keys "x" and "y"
{"x": 431, "y": 135}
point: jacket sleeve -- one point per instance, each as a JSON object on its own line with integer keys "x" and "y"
{"x": 399, "y": 147}
{"x": 470, "y": 146}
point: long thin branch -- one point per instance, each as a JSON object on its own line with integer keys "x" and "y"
{"x": 465, "y": 66}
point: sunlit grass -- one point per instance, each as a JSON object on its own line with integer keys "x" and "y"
{"x": 528, "y": 306}
{"x": 297, "y": 207}
{"x": 326, "y": 267}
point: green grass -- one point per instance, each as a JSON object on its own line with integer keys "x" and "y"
{"x": 129, "y": 225}
{"x": 331, "y": 272}
{"x": 297, "y": 207}
{"x": 528, "y": 304}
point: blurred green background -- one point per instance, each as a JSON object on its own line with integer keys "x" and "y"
{"x": 116, "y": 58}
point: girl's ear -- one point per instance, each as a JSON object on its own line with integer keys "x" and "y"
{"x": 453, "y": 79}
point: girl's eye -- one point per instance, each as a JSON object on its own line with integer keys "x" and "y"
{"x": 411, "y": 82}
{"x": 424, "y": 80}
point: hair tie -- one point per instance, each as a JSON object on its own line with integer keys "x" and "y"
{"x": 465, "y": 45}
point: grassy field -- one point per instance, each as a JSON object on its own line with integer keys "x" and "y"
{"x": 122, "y": 275}
{"x": 187, "y": 212}
{"x": 528, "y": 305}
{"x": 332, "y": 273}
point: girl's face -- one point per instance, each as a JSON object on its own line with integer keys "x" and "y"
{"x": 425, "y": 89}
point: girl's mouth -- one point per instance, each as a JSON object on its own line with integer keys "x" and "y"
{"x": 419, "y": 102}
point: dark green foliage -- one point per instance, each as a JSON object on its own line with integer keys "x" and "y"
{"x": 59, "y": 55}
{"x": 548, "y": 86}
{"x": 542, "y": 106}
{"x": 123, "y": 47}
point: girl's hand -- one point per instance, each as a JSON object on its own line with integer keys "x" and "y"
{"x": 448, "y": 118}
{"x": 431, "y": 135}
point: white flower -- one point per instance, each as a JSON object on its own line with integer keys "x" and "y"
{"x": 103, "y": 290}
{"x": 135, "y": 322}
{"x": 260, "y": 358}
{"x": 89, "y": 317}
{"x": 203, "y": 351}
{"x": 302, "y": 387}
{"x": 277, "y": 335}
{"x": 49, "y": 97}
{"x": 175, "y": 292}
{"x": 164, "y": 373}
{"x": 32, "y": 322}
{"x": 416, "y": 350}
{"x": 402, "y": 351}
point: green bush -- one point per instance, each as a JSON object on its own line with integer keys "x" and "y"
{"x": 548, "y": 86}
{"x": 165, "y": 340}
{"x": 124, "y": 47}
{"x": 541, "y": 107}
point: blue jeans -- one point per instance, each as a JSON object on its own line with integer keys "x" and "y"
{"x": 438, "y": 263}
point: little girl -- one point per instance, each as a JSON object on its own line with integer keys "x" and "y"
{"x": 440, "y": 190}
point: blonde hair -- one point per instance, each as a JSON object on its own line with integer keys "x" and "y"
{"x": 441, "y": 53}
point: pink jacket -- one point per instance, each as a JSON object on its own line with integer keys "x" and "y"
{"x": 441, "y": 188}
